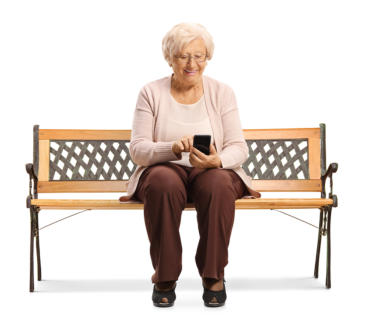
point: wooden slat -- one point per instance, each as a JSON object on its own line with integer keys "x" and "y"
{"x": 77, "y": 134}
{"x": 82, "y": 186}
{"x": 72, "y": 134}
{"x": 315, "y": 158}
{"x": 272, "y": 203}
{"x": 284, "y": 203}
{"x": 287, "y": 185}
{"x": 296, "y": 133}
{"x": 44, "y": 154}
{"x": 121, "y": 186}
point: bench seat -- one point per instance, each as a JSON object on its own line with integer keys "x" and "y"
{"x": 267, "y": 203}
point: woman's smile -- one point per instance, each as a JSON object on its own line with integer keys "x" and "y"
{"x": 190, "y": 72}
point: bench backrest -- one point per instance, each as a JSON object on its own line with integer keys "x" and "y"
{"x": 99, "y": 160}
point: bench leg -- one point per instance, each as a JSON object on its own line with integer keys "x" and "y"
{"x": 38, "y": 248}
{"x": 328, "y": 271}
{"x": 31, "y": 266}
{"x": 316, "y": 267}
{"x": 327, "y": 228}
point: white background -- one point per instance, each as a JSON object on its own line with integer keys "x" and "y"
{"x": 80, "y": 64}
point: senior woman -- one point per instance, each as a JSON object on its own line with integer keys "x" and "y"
{"x": 171, "y": 172}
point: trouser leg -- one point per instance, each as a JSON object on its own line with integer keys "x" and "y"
{"x": 214, "y": 192}
{"x": 162, "y": 189}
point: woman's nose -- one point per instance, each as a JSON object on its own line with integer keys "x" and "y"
{"x": 190, "y": 62}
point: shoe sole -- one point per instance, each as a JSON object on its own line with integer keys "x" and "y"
{"x": 213, "y": 305}
{"x": 163, "y": 305}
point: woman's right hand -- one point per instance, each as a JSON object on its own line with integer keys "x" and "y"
{"x": 182, "y": 145}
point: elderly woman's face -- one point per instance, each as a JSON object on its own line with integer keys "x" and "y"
{"x": 189, "y": 64}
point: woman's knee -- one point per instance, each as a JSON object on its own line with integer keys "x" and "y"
{"x": 215, "y": 181}
{"x": 164, "y": 179}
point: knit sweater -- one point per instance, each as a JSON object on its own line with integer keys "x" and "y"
{"x": 150, "y": 125}
{"x": 187, "y": 120}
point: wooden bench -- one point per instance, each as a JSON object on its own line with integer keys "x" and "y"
{"x": 280, "y": 160}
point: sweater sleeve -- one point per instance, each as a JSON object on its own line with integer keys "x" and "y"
{"x": 235, "y": 150}
{"x": 143, "y": 150}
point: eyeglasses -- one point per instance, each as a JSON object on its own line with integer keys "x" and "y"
{"x": 197, "y": 58}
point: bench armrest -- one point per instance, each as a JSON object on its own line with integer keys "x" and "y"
{"x": 30, "y": 171}
{"x": 333, "y": 167}
{"x": 32, "y": 181}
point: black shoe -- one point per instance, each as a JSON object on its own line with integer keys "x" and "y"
{"x": 158, "y": 295}
{"x": 220, "y": 296}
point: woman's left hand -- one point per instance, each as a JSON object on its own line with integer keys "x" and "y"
{"x": 200, "y": 160}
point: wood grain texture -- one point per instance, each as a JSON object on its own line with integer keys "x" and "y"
{"x": 74, "y": 134}
{"x": 81, "y": 186}
{"x": 84, "y": 134}
{"x": 44, "y": 158}
{"x": 270, "y": 203}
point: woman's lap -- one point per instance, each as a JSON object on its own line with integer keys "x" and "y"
{"x": 170, "y": 176}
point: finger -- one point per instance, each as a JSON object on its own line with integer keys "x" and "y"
{"x": 189, "y": 144}
{"x": 199, "y": 153}
{"x": 181, "y": 146}
{"x": 197, "y": 162}
{"x": 184, "y": 143}
{"x": 194, "y": 159}
{"x": 191, "y": 160}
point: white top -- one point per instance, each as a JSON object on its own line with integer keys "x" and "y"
{"x": 186, "y": 119}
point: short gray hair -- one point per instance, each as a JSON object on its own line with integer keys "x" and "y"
{"x": 181, "y": 35}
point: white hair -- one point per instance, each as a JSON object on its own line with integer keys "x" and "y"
{"x": 181, "y": 35}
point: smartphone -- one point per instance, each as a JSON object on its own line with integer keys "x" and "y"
{"x": 202, "y": 143}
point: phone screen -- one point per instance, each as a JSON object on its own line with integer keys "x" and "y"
{"x": 202, "y": 143}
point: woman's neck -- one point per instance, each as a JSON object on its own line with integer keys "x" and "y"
{"x": 181, "y": 87}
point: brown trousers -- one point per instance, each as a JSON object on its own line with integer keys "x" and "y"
{"x": 165, "y": 188}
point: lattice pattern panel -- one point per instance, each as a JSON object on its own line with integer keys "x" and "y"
{"x": 90, "y": 160}
{"x": 278, "y": 159}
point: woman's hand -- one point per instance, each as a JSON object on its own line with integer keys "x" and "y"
{"x": 182, "y": 145}
{"x": 200, "y": 160}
